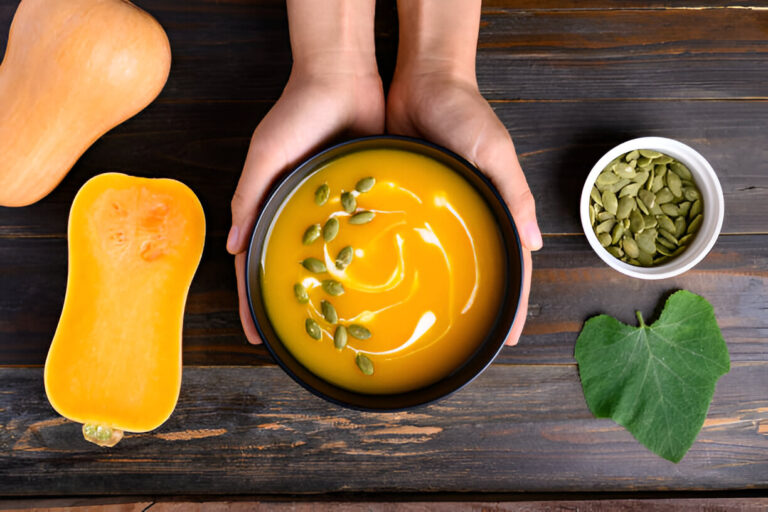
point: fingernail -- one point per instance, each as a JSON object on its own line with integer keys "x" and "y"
{"x": 232, "y": 239}
{"x": 532, "y": 236}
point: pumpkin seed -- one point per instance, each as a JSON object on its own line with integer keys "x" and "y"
{"x": 365, "y": 364}
{"x": 658, "y": 184}
{"x": 649, "y": 153}
{"x": 605, "y": 179}
{"x": 329, "y": 312}
{"x": 636, "y": 222}
{"x": 659, "y": 170}
{"x": 680, "y": 170}
{"x": 321, "y": 194}
{"x": 644, "y": 162}
{"x": 301, "y": 293}
{"x": 660, "y": 260}
{"x": 603, "y": 216}
{"x": 595, "y": 195}
{"x": 669, "y": 236}
{"x": 641, "y": 177}
{"x": 332, "y": 287}
{"x": 605, "y": 226}
{"x": 626, "y": 205}
{"x": 314, "y": 265}
{"x": 642, "y": 206}
{"x": 670, "y": 209}
{"x": 633, "y": 261}
{"x": 664, "y": 196}
{"x": 363, "y": 217}
{"x": 696, "y": 208}
{"x": 623, "y": 170}
{"x": 666, "y": 223}
{"x": 618, "y": 185}
{"x": 344, "y": 257}
{"x": 340, "y": 337}
{"x": 646, "y": 241}
{"x": 604, "y": 239}
{"x": 591, "y": 215}
{"x": 666, "y": 251}
{"x": 348, "y": 202}
{"x": 686, "y": 238}
{"x": 656, "y": 210}
{"x": 680, "y": 227}
{"x": 331, "y": 229}
{"x": 630, "y": 190}
{"x": 313, "y": 329}
{"x": 674, "y": 184}
{"x": 311, "y": 234}
{"x": 616, "y": 252}
{"x": 684, "y": 207}
{"x": 666, "y": 243}
{"x": 365, "y": 184}
{"x": 645, "y": 259}
{"x": 690, "y": 193}
{"x": 649, "y": 221}
{"x": 359, "y": 332}
{"x": 663, "y": 159}
{"x": 618, "y": 230}
{"x": 632, "y": 155}
{"x": 630, "y": 247}
{"x": 648, "y": 197}
{"x": 695, "y": 224}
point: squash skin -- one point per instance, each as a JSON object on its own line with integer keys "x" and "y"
{"x": 134, "y": 247}
{"x": 73, "y": 70}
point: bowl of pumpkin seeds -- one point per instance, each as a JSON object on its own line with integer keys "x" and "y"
{"x": 652, "y": 207}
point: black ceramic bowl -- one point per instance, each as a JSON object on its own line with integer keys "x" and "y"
{"x": 471, "y": 368}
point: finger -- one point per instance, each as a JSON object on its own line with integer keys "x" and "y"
{"x": 245, "y": 310}
{"x": 522, "y": 312}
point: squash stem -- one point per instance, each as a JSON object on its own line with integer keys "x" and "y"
{"x": 102, "y": 435}
{"x": 640, "y": 318}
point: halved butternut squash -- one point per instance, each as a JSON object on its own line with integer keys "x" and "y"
{"x": 115, "y": 360}
{"x": 73, "y": 69}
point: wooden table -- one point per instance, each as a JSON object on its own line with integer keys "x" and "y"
{"x": 570, "y": 79}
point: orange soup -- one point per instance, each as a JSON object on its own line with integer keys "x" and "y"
{"x": 383, "y": 271}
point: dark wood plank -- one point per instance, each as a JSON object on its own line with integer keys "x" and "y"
{"x": 570, "y": 284}
{"x": 204, "y": 145}
{"x": 243, "y": 430}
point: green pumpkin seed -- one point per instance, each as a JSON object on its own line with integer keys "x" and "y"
{"x": 659, "y": 170}
{"x": 626, "y": 205}
{"x": 684, "y": 207}
{"x": 623, "y": 170}
{"x": 331, "y": 229}
{"x": 658, "y": 184}
{"x": 649, "y": 153}
{"x": 649, "y": 221}
{"x": 695, "y": 224}
{"x": 301, "y": 293}
{"x": 696, "y": 209}
{"x": 314, "y": 265}
{"x": 591, "y": 215}
{"x": 680, "y": 170}
{"x": 616, "y": 252}
{"x": 632, "y": 155}
{"x": 312, "y": 329}
{"x": 333, "y": 287}
{"x": 618, "y": 231}
{"x": 644, "y": 162}
{"x": 669, "y": 236}
{"x": 606, "y": 178}
{"x": 348, "y": 202}
{"x": 365, "y": 184}
{"x": 344, "y": 257}
{"x": 641, "y": 177}
{"x": 605, "y": 226}
{"x": 646, "y": 242}
{"x": 321, "y": 194}
{"x": 633, "y": 261}
{"x": 660, "y": 260}
{"x": 642, "y": 206}
{"x": 363, "y": 217}
{"x": 604, "y": 239}
{"x": 618, "y": 185}
{"x": 664, "y": 196}
{"x": 595, "y": 195}
{"x": 645, "y": 259}
{"x": 629, "y": 190}
{"x": 690, "y": 193}
{"x": 656, "y": 209}
{"x": 636, "y": 222}
{"x": 340, "y": 337}
{"x": 311, "y": 234}
{"x": 674, "y": 184}
{"x": 648, "y": 197}
{"x": 603, "y": 216}
{"x": 663, "y": 159}
{"x": 630, "y": 247}
{"x": 666, "y": 243}
{"x": 365, "y": 364}
{"x": 666, "y": 251}
{"x": 329, "y": 312}
{"x": 359, "y": 332}
{"x": 666, "y": 223}
{"x": 680, "y": 227}
{"x": 686, "y": 238}
{"x": 670, "y": 209}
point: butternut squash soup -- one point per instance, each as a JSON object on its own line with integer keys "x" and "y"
{"x": 383, "y": 271}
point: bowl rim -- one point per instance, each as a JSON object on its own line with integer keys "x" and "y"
{"x": 706, "y": 177}
{"x": 270, "y": 195}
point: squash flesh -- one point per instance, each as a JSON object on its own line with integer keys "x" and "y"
{"x": 73, "y": 69}
{"x": 134, "y": 246}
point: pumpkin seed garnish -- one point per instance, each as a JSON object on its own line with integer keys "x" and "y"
{"x": 365, "y": 184}
{"x": 348, "y": 202}
{"x": 312, "y": 329}
{"x": 311, "y": 234}
{"x": 363, "y": 217}
{"x": 321, "y": 194}
{"x": 331, "y": 229}
{"x": 301, "y": 293}
{"x": 365, "y": 364}
{"x": 329, "y": 312}
{"x": 359, "y": 332}
{"x": 340, "y": 337}
{"x": 332, "y": 287}
{"x": 344, "y": 257}
{"x": 314, "y": 265}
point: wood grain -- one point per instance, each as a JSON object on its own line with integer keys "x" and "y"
{"x": 267, "y": 435}
{"x": 570, "y": 284}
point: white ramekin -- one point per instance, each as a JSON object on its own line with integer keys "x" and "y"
{"x": 713, "y": 207}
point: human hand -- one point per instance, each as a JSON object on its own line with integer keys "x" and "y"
{"x": 334, "y": 89}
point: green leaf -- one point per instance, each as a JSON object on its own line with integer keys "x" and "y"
{"x": 655, "y": 380}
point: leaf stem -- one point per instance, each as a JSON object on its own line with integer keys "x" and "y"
{"x": 640, "y": 318}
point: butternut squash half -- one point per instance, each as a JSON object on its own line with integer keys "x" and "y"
{"x": 73, "y": 70}
{"x": 115, "y": 360}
